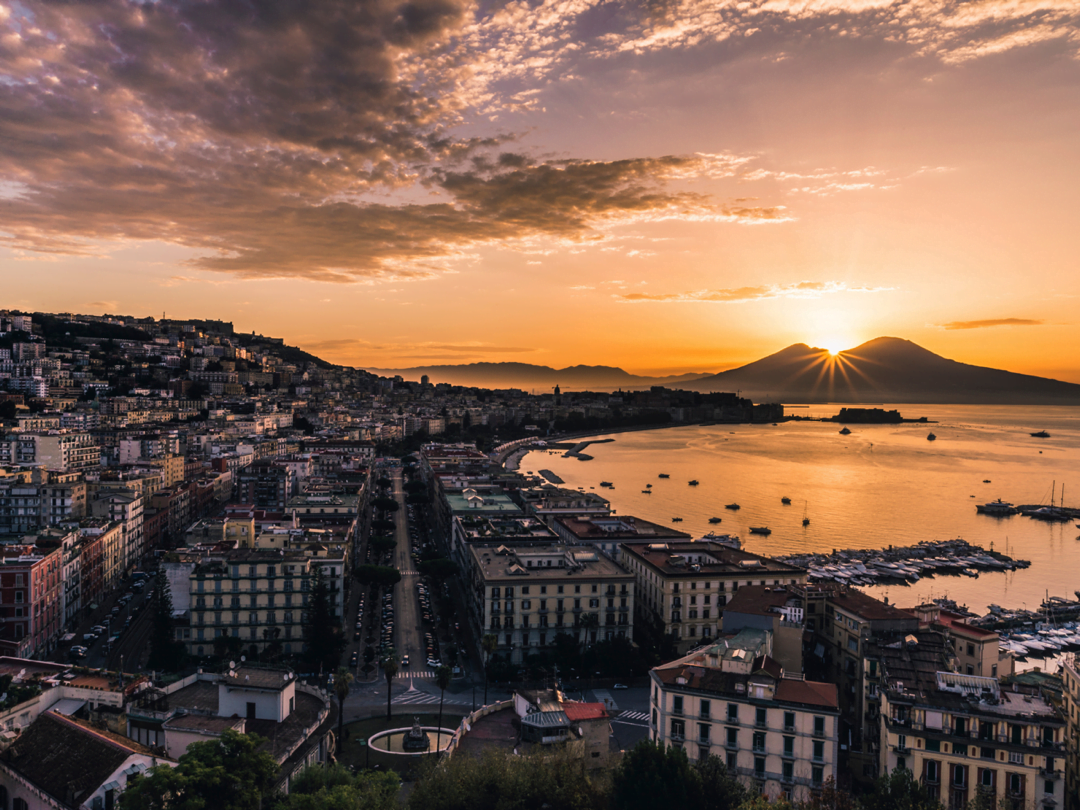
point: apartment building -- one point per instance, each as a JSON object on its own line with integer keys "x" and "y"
{"x": 1070, "y": 676}
{"x": 30, "y": 598}
{"x": 126, "y": 510}
{"x": 606, "y": 532}
{"x": 969, "y": 736}
{"x": 258, "y": 596}
{"x": 66, "y": 451}
{"x": 27, "y": 506}
{"x": 779, "y": 734}
{"x": 683, "y": 586}
{"x": 526, "y": 593}
{"x": 978, "y": 651}
{"x": 550, "y": 502}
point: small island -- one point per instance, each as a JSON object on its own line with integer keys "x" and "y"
{"x": 872, "y": 416}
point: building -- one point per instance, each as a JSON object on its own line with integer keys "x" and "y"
{"x": 978, "y": 651}
{"x": 293, "y": 719}
{"x": 255, "y": 596}
{"x": 684, "y": 586}
{"x": 526, "y": 593}
{"x": 778, "y": 734}
{"x": 968, "y": 736}
{"x": 607, "y": 532}
{"x": 1070, "y": 676}
{"x": 31, "y": 609}
{"x": 61, "y": 763}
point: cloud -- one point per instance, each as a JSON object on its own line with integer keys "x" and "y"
{"x": 103, "y": 305}
{"x": 742, "y": 295}
{"x": 984, "y": 324}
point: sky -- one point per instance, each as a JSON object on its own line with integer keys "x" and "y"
{"x": 665, "y": 186}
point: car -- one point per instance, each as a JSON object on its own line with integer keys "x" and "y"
{"x": 91, "y": 637}
{"x": 620, "y": 686}
{"x": 78, "y": 652}
{"x": 98, "y": 628}
{"x": 356, "y": 635}
{"x": 405, "y": 662}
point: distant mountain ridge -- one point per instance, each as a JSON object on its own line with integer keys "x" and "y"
{"x": 528, "y": 376}
{"x": 885, "y": 369}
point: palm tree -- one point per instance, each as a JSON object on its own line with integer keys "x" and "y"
{"x": 342, "y": 679}
{"x": 389, "y": 668}
{"x": 489, "y": 642}
{"x": 442, "y": 680}
{"x": 589, "y": 621}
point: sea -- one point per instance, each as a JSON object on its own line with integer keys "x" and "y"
{"x": 880, "y": 486}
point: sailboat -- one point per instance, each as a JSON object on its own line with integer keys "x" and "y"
{"x": 1053, "y": 512}
{"x": 805, "y": 518}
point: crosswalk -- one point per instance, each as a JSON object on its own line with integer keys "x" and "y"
{"x": 634, "y": 716}
{"x": 410, "y": 573}
{"x": 423, "y": 698}
{"x": 427, "y": 676}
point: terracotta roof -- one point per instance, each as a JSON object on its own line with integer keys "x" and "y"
{"x": 811, "y": 693}
{"x": 867, "y": 607}
{"x": 584, "y": 711}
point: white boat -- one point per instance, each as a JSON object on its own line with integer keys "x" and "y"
{"x": 998, "y": 508}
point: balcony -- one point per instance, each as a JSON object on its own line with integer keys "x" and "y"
{"x": 678, "y": 737}
{"x": 1050, "y": 773}
{"x": 732, "y": 745}
{"x": 704, "y": 741}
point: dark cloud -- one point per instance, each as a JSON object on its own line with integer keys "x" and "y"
{"x": 992, "y": 322}
{"x": 251, "y": 131}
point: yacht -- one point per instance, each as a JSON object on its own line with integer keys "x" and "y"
{"x": 786, "y": 501}
{"x": 931, "y": 437}
{"x": 714, "y": 520}
{"x": 760, "y": 530}
{"x": 676, "y": 520}
{"x": 845, "y": 431}
{"x": 1042, "y": 434}
{"x": 693, "y": 483}
{"x": 732, "y": 506}
{"x": 998, "y": 508}
{"x": 664, "y": 475}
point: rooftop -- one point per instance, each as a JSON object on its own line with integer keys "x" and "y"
{"x": 532, "y": 560}
{"x": 616, "y": 528}
{"x": 697, "y": 558}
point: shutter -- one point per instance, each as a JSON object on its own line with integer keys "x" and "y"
{"x": 933, "y": 719}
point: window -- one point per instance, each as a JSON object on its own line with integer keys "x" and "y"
{"x": 678, "y": 729}
{"x": 759, "y": 742}
{"x": 932, "y": 771}
{"x": 789, "y": 721}
{"x": 817, "y": 776}
{"x": 819, "y": 750}
{"x": 760, "y": 717}
{"x": 733, "y": 712}
{"x": 819, "y": 726}
{"x": 759, "y": 767}
{"x": 788, "y": 774}
{"x": 789, "y": 746}
{"x": 703, "y": 733}
{"x": 732, "y": 760}
{"x": 524, "y": 590}
{"x": 677, "y": 704}
{"x": 732, "y": 738}
{"x": 705, "y": 709}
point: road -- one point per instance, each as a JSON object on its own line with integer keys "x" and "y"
{"x": 409, "y": 629}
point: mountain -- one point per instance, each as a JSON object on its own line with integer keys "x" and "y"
{"x": 886, "y": 369}
{"x": 528, "y": 376}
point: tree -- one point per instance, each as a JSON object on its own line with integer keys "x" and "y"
{"x": 439, "y": 569}
{"x": 390, "y": 668}
{"x": 651, "y": 775}
{"x": 899, "y": 790}
{"x": 381, "y": 544}
{"x": 387, "y": 505}
{"x": 382, "y": 575}
{"x": 442, "y": 680}
{"x": 334, "y": 787}
{"x": 8, "y": 409}
{"x": 322, "y": 641}
{"x": 830, "y": 797}
{"x": 587, "y": 623}
{"x": 499, "y": 779}
{"x": 489, "y": 642}
{"x": 721, "y": 790}
{"x": 229, "y": 773}
{"x": 166, "y": 653}
{"x": 382, "y": 526}
{"x": 342, "y": 679}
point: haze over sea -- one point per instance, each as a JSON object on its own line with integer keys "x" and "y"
{"x": 882, "y": 485}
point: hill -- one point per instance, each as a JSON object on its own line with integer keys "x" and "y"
{"x": 886, "y": 369}
{"x": 528, "y": 376}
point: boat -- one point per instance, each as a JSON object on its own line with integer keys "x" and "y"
{"x": 845, "y": 431}
{"x": 806, "y": 521}
{"x": 732, "y": 506}
{"x": 998, "y": 508}
{"x": 714, "y": 520}
{"x": 760, "y": 530}
{"x": 1055, "y": 512}
{"x": 986, "y": 480}
{"x": 729, "y": 540}
{"x": 664, "y": 475}
{"x": 648, "y": 486}
{"x": 1042, "y": 434}
{"x": 676, "y": 520}
{"x": 785, "y": 501}
{"x": 805, "y": 516}
{"x": 606, "y": 484}
{"x": 931, "y": 437}
{"x": 693, "y": 483}
{"x": 646, "y": 492}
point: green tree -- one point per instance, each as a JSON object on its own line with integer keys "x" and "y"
{"x": 442, "y": 680}
{"x": 720, "y": 789}
{"x": 382, "y": 526}
{"x": 342, "y": 679}
{"x": 651, "y": 776}
{"x": 489, "y": 642}
{"x": 501, "y": 780}
{"x": 323, "y": 641}
{"x": 166, "y": 653}
{"x": 899, "y": 790}
{"x": 389, "y": 668}
{"x": 440, "y": 568}
{"x": 387, "y": 504}
{"x": 229, "y": 773}
{"x": 334, "y": 787}
{"x": 382, "y": 575}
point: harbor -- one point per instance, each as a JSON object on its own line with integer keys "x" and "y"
{"x": 903, "y": 564}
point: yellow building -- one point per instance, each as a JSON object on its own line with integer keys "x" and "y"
{"x": 969, "y": 736}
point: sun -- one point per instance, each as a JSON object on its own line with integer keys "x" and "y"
{"x": 833, "y": 345}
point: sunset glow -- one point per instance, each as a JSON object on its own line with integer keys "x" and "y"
{"x": 667, "y": 188}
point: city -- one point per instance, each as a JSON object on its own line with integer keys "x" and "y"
{"x": 208, "y": 534}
